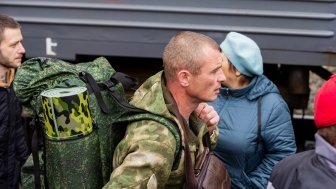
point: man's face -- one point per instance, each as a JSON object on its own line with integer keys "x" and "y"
{"x": 205, "y": 86}
{"x": 11, "y": 48}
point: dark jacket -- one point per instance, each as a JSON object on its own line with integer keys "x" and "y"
{"x": 303, "y": 171}
{"x": 13, "y": 148}
{"x": 306, "y": 170}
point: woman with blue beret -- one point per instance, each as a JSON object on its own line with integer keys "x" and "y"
{"x": 255, "y": 128}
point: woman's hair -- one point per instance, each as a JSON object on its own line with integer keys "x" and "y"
{"x": 242, "y": 78}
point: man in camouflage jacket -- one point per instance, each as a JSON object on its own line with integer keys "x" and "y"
{"x": 192, "y": 75}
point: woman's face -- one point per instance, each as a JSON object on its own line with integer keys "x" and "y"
{"x": 230, "y": 73}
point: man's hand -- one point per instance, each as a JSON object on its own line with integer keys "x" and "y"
{"x": 208, "y": 114}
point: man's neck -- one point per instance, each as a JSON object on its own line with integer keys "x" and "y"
{"x": 3, "y": 73}
{"x": 3, "y": 79}
{"x": 183, "y": 103}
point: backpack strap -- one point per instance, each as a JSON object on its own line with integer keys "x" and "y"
{"x": 34, "y": 124}
{"x": 35, "y": 149}
{"x": 110, "y": 85}
{"x": 89, "y": 80}
{"x": 129, "y": 83}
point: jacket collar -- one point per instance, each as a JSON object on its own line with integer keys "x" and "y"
{"x": 238, "y": 92}
{"x": 9, "y": 78}
{"x": 324, "y": 149}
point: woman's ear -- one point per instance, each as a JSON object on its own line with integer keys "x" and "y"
{"x": 183, "y": 78}
{"x": 237, "y": 73}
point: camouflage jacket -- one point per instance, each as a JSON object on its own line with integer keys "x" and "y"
{"x": 145, "y": 157}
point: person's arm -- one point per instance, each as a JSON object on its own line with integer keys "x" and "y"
{"x": 279, "y": 142}
{"x": 144, "y": 158}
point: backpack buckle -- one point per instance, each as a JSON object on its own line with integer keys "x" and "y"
{"x": 109, "y": 84}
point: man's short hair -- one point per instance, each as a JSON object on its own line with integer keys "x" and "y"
{"x": 184, "y": 51}
{"x": 7, "y": 22}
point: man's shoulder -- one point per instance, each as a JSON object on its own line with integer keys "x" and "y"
{"x": 300, "y": 171}
{"x": 145, "y": 126}
{"x": 294, "y": 161}
{"x": 297, "y": 157}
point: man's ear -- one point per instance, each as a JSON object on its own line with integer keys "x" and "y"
{"x": 183, "y": 77}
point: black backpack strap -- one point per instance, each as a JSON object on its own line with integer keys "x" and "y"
{"x": 36, "y": 157}
{"x": 44, "y": 156}
{"x": 119, "y": 99}
{"x": 35, "y": 154}
{"x": 88, "y": 79}
{"x": 129, "y": 83}
{"x": 111, "y": 85}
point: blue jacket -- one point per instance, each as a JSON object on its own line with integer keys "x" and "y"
{"x": 248, "y": 161}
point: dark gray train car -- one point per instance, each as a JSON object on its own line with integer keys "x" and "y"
{"x": 290, "y": 32}
{"x": 296, "y": 36}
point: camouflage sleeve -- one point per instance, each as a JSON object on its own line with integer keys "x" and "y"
{"x": 214, "y": 138}
{"x": 144, "y": 158}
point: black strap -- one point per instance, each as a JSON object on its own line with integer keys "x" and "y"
{"x": 110, "y": 85}
{"x": 86, "y": 77}
{"x": 45, "y": 178}
{"x": 190, "y": 181}
{"x": 36, "y": 158}
{"x": 129, "y": 83}
{"x": 259, "y": 138}
{"x": 207, "y": 140}
{"x": 34, "y": 147}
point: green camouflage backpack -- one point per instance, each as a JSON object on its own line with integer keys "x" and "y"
{"x": 81, "y": 126}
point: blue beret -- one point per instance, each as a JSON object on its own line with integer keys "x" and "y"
{"x": 243, "y": 53}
